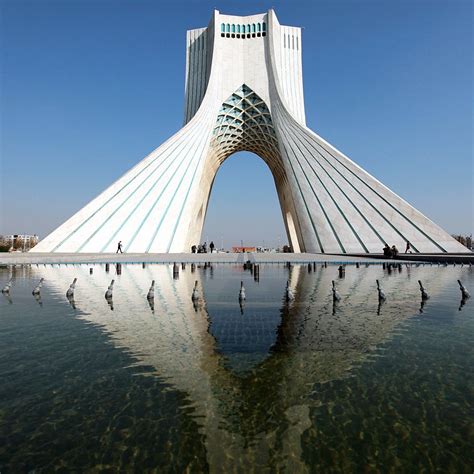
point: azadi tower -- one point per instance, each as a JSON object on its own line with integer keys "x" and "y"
{"x": 244, "y": 91}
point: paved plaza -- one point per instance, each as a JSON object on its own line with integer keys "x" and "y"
{"x": 18, "y": 258}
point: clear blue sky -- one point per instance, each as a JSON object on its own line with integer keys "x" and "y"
{"x": 90, "y": 87}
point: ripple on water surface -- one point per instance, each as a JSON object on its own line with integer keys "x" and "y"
{"x": 212, "y": 385}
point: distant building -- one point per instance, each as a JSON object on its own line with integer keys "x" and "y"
{"x": 243, "y": 249}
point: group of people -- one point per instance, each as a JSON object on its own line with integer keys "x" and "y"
{"x": 202, "y": 248}
{"x": 392, "y": 252}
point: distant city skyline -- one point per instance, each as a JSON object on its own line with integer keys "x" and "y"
{"x": 88, "y": 91}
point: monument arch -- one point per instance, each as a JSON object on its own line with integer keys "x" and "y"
{"x": 244, "y": 91}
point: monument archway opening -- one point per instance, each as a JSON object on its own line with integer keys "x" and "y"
{"x": 244, "y": 123}
{"x": 243, "y": 207}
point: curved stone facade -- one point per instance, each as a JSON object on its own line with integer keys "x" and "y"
{"x": 244, "y": 91}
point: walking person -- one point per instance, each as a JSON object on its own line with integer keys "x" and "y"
{"x": 119, "y": 247}
{"x": 408, "y": 247}
{"x": 211, "y": 246}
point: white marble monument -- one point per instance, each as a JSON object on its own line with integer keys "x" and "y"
{"x": 244, "y": 91}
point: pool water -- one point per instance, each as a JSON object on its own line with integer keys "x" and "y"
{"x": 265, "y": 385}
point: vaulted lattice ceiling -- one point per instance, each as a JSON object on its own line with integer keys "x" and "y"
{"x": 244, "y": 123}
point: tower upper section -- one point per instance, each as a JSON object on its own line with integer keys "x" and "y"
{"x": 254, "y": 50}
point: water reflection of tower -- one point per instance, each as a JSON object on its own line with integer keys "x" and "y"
{"x": 260, "y": 414}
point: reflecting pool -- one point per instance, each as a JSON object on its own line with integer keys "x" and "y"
{"x": 217, "y": 385}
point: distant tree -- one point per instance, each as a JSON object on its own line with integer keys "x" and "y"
{"x": 469, "y": 241}
{"x": 465, "y": 240}
{"x": 4, "y": 244}
{"x": 18, "y": 243}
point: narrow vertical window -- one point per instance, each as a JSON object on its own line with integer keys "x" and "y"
{"x": 259, "y": 27}
{"x": 253, "y": 27}
{"x": 233, "y": 28}
{"x": 222, "y": 28}
{"x": 238, "y": 28}
{"x": 227, "y": 28}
